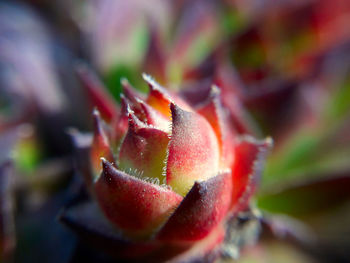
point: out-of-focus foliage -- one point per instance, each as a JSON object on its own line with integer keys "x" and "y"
{"x": 283, "y": 67}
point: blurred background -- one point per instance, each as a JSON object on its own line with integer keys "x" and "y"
{"x": 284, "y": 65}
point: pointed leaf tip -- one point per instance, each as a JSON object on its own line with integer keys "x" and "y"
{"x": 203, "y": 208}
{"x": 214, "y": 91}
{"x": 134, "y": 122}
{"x": 129, "y": 92}
{"x": 100, "y": 146}
{"x": 247, "y": 168}
{"x": 125, "y": 105}
{"x": 106, "y": 166}
{"x": 150, "y": 81}
{"x": 124, "y": 81}
{"x": 160, "y": 99}
{"x": 153, "y": 117}
{"x": 96, "y": 92}
{"x": 173, "y": 109}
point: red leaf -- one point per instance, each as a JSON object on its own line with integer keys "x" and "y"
{"x": 204, "y": 207}
{"x": 136, "y": 206}
{"x": 193, "y": 150}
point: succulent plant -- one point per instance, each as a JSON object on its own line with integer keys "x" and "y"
{"x": 285, "y": 64}
{"x": 169, "y": 175}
